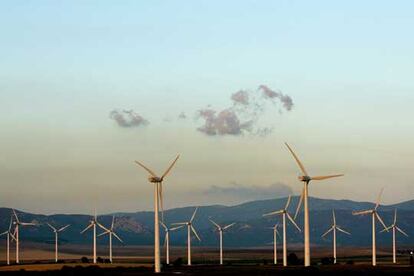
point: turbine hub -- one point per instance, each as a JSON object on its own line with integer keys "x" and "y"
{"x": 304, "y": 178}
{"x": 154, "y": 179}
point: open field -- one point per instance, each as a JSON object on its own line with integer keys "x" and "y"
{"x": 137, "y": 260}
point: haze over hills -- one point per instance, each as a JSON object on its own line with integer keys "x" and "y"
{"x": 250, "y": 229}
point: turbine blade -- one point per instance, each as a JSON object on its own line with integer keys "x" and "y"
{"x": 299, "y": 203}
{"x": 13, "y": 236}
{"x": 401, "y": 231}
{"x": 116, "y": 236}
{"x": 287, "y": 202}
{"x": 179, "y": 223}
{"x": 395, "y": 217}
{"x": 293, "y": 222}
{"x": 176, "y": 228}
{"x": 11, "y": 222}
{"x": 89, "y": 226}
{"x": 386, "y": 229}
{"x": 63, "y": 228}
{"x": 323, "y": 177}
{"x": 163, "y": 225}
{"x": 380, "y": 220}
{"x": 273, "y": 213}
{"x": 342, "y": 230}
{"x": 302, "y": 168}
{"x": 378, "y": 199}
{"x": 103, "y": 227}
{"x": 165, "y": 239}
{"x": 15, "y": 215}
{"x": 4, "y": 233}
{"x": 333, "y": 216}
{"x": 228, "y": 226}
{"x": 170, "y": 167}
{"x": 327, "y": 232}
{"x": 218, "y": 226}
{"x": 357, "y": 213}
{"x": 113, "y": 223}
{"x": 193, "y": 216}
{"x": 53, "y": 228}
{"x": 195, "y": 233}
{"x": 103, "y": 233}
{"x": 28, "y": 224}
{"x": 147, "y": 169}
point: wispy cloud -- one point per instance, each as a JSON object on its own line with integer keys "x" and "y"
{"x": 127, "y": 118}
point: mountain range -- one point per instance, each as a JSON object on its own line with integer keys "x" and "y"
{"x": 251, "y": 228}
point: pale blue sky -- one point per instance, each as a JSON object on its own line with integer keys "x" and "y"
{"x": 66, "y": 64}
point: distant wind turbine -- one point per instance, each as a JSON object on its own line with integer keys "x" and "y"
{"x": 8, "y": 234}
{"x": 284, "y": 213}
{"x": 374, "y": 215}
{"x": 333, "y": 228}
{"x": 56, "y": 231}
{"x": 190, "y": 229}
{"x": 158, "y": 202}
{"x": 17, "y": 224}
{"x": 110, "y": 232}
{"x": 167, "y": 240}
{"x": 305, "y": 178}
{"x": 275, "y": 234}
{"x": 92, "y": 223}
{"x": 221, "y": 229}
{"x": 394, "y": 228}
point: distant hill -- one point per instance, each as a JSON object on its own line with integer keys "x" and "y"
{"x": 251, "y": 228}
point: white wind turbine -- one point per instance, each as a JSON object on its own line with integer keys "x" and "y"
{"x": 190, "y": 229}
{"x": 374, "y": 215}
{"x": 167, "y": 240}
{"x": 275, "y": 234}
{"x": 92, "y": 223}
{"x": 305, "y": 178}
{"x": 158, "y": 202}
{"x": 221, "y": 229}
{"x": 394, "y": 228}
{"x": 110, "y": 232}
{"x": 56, "y": 231}
{"x": 333, "y": 228}
{"x": 284, "y": 213}
{"x": 8, "y": 234}
{"x": 17, "y": 224}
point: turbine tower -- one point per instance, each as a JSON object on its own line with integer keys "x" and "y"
{"x": 56, "y": 231}
{"x": 158, "y": 202}
{"x": 110, "y": 232}
{"x": 92, "y": 223}
{"x": 333, "y": 228}
{"x": 8, "y": 234}
{"x": 221, "y": 229}
{"x": 374, "y": 214}
{"x": 275, "y": 234}
{"x": 284, "y": 214}
{"x": 190, "y": 229}
{"x": 167, "y": 240}
{"x": 394, "y": 228}
{"x": 305, "y": 178}
{"x": 17, "y": 224}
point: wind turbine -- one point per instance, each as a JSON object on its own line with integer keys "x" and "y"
{"x": 110, "y": 232}
{"x": 190, "y": 229}
{"x": 333, "y": 228}
{"x": 305, "y": 178}
{"x": 374, "y": 215}
{"x": 56, "y": 231}
{"x": 284, "y": 214}
{"x": 275, "y": 234}
{"x": 158, "y": 202}
{"x": 221, "y": 229}
{"x": 92, "y": 223}
{"x": 17, "y": 224}
{"x": 394, "y": 228}
{"x": 167, "y": 240}
{"x": 9, "y": 234}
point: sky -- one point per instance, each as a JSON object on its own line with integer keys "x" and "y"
{"x": 87, "y": 87}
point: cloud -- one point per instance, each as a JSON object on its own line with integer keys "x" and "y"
{"x": 246, "y": 115}
{"x": 270, "y": 94}
{"x": 237, "y": 192}
{"x": 226, "y": 122}
{"x": 127, "y": 118}
{"x": 240, "y": 97}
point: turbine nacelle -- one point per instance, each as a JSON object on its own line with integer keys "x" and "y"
{"x": 304, "y": 178}
{"x": 154, "y": 179}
